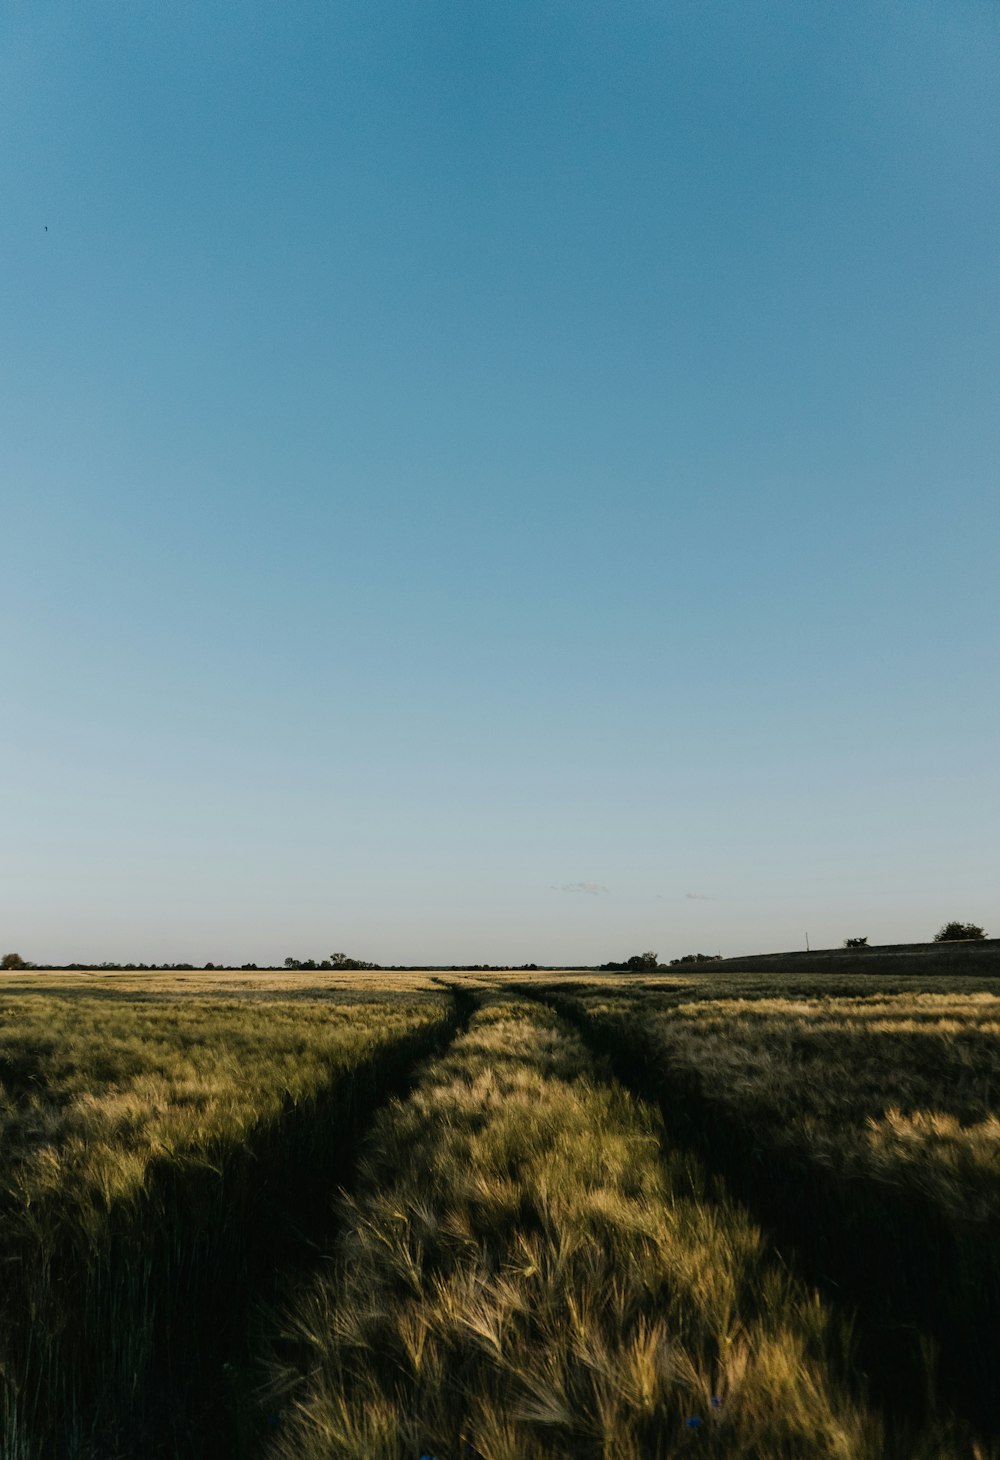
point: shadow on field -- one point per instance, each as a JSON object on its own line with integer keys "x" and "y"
{"x": 22, "y": 1073}
{"x": 922, "y": 1293}
{"x": 158, "y": 1358}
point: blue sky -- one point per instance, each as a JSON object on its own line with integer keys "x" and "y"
{"x": 497, "y": 482}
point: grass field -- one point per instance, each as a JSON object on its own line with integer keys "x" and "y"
{"x": 321, "y": 1215}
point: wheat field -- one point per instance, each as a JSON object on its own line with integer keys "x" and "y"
{"x": 485, "y": 1216}
{"x": 144, "y": 1129}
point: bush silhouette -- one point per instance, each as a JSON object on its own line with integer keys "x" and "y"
{"x": 958, "y": 932}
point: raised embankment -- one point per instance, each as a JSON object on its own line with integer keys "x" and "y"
{"x": 974, "y": 956}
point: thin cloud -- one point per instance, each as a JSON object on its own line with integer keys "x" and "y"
{"x": 589, "y": 889}
{"x": 699, "y": 897}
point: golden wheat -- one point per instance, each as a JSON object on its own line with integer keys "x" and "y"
{"x": 130, "y": 1126}
{"x": 524, "y": 1270}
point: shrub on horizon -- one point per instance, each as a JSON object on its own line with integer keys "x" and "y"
{"x": 959, "y": 932}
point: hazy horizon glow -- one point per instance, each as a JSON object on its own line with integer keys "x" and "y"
{"x": 505, "y": 484}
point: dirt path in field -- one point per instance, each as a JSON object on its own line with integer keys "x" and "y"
{"x": 208, "y": 1403}
{"x": 923, "y": 1305}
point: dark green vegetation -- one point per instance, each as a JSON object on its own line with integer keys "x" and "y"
{"x": 647, "y": 962}
{"x": 959, "y": 933}
{"x": 367, "y": 1215}
{"x": 338, "y": 961}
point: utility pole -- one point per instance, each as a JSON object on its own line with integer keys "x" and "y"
{"x": 807, "y": 942}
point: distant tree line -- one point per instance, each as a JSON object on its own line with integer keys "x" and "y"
{"x": 647, "y": 962}
{"x": 11, "y": 961}
{"x": 335, "y": 961}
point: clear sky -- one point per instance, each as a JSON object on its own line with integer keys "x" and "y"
{"x": 497, "y": 482}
